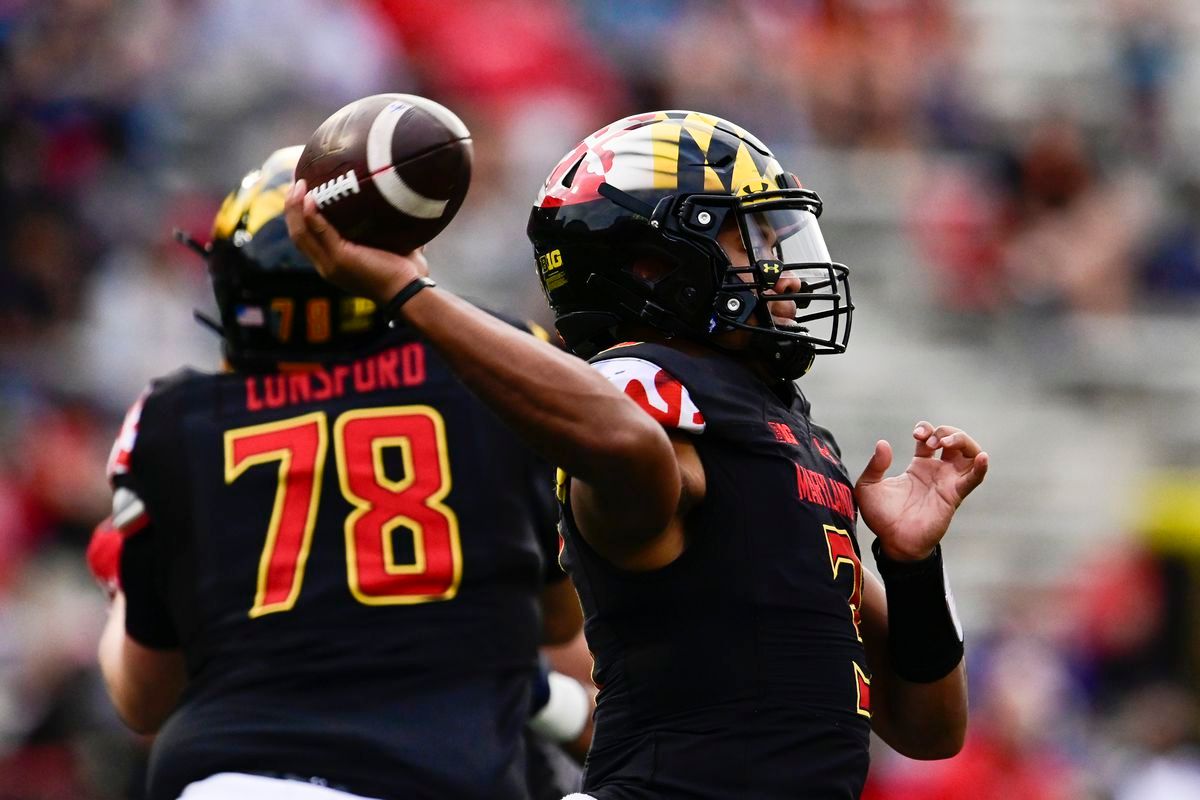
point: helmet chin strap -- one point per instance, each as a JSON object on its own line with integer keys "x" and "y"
{"x": 782, "y": 359}
{"x": 786, "y": 359}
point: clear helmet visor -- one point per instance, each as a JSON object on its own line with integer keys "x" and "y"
{"x": 790, "y": 237}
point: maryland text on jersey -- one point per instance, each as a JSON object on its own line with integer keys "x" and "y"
{"x": 763, "y": 605}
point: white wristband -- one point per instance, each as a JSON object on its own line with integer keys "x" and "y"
{"x": 566, "y": 713}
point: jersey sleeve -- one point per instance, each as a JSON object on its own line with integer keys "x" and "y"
{"x": 129, "y": 512}
{"x": 120, "y": 458}
{"x": 147, "y": 620}
{"x": 658, "y": 392}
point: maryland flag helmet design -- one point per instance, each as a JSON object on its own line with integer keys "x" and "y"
{"x": 663, "y": 186}
{"x": 274, "y": 305}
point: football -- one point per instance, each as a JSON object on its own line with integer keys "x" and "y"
{"x": 389, "y": 170}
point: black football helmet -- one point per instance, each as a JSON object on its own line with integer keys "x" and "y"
{"x": 662, "y": 186}
{"x": 275, "y": 308}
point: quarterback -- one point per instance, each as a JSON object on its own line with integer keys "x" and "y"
{"x": 741, "y": 649}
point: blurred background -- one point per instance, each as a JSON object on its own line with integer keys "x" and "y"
{"x": 1015, "y": 185}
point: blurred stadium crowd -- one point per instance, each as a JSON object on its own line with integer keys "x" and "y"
{"x": 1014, "y": 184}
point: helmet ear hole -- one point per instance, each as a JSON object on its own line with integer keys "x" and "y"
{"x": 650, "y": 269}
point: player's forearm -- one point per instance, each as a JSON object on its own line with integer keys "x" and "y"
{"x": 566, "y": 411}
{"x": 563, "y": 410}
{"x": 143, "y": 684}
{"x": 923, "y": 719}
{"x": 920, "y": 720}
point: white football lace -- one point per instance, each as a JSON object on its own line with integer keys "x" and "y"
{"x": 335, "y": 189}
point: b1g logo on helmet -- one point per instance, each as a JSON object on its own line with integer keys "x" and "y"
{"x": 549, "y": 265}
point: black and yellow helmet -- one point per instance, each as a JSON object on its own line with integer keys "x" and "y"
{"x": 274, "y": 306}
{"x": 663, "y": 185}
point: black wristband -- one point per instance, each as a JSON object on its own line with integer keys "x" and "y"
{"x": 924, "y": 637}
{"x": 392, "y": 309}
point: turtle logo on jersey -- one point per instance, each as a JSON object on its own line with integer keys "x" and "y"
{"x": 654, "y": 389}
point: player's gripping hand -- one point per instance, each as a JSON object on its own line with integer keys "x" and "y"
{"x": 911, "y": 512}
{"x": 360, "y": 270}
{"x": 104, "y": 557}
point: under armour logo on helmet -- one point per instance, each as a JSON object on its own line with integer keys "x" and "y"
{"x": 754, "y": 188}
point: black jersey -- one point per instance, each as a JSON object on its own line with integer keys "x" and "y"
{"x": 350, "y": 558}
{"x": 737, "y": 670}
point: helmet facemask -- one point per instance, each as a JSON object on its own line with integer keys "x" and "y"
{"x": 782, "y": 286}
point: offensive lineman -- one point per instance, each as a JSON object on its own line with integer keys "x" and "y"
{"x": 336, "y": 566}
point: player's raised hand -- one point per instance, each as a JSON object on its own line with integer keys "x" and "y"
{"x": 360, "y": 270}
{"x": 911, "y": 512}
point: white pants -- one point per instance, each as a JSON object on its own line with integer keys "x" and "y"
{"x": 236, "y": 786}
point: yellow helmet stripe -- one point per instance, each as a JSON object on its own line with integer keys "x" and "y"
{"x": 745, "y": 171}
{"x": 664, "y": 139}
{"x": 701, "y": 129}
{"x": 265, "y": 207}
{"x": 227, "y": 218}
{"x": 261, "y": 194}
